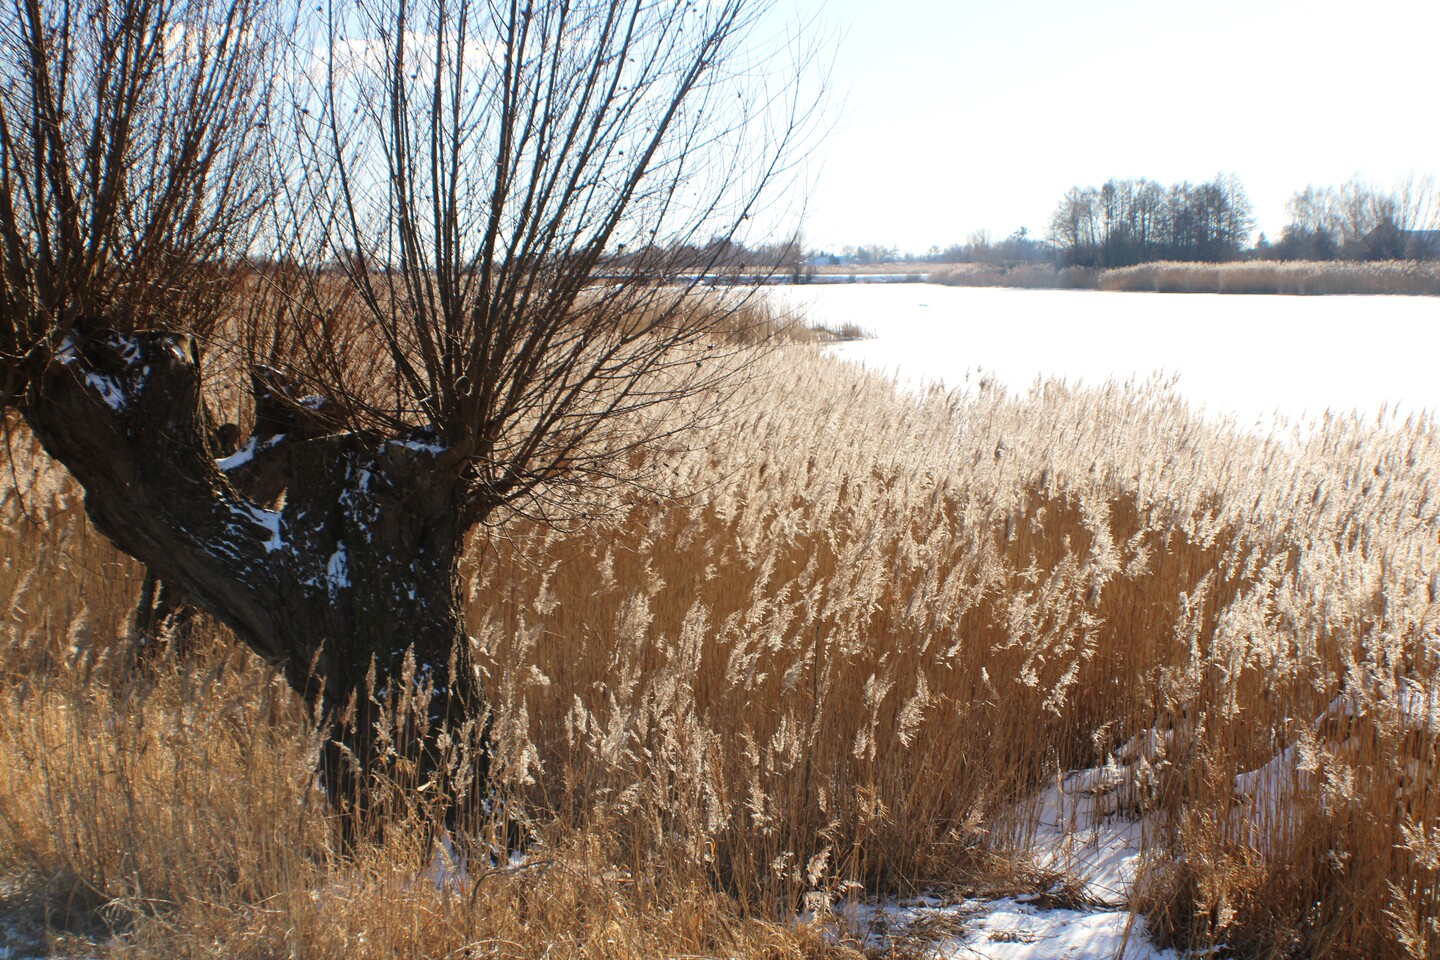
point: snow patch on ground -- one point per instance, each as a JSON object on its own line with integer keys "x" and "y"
{"x": 1082, "y": 832}
{"x": 1013, "y": 928}
{"x": 21, "y": 925}
{"x": 1416, "y": 708}
{"x": 449, "y": 867}
{"x": 1090, "y": 826}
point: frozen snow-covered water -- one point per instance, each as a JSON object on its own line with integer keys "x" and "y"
{"x": 1246, "y": 357}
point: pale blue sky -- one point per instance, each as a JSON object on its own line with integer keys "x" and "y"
{"x": 961, "y": 115}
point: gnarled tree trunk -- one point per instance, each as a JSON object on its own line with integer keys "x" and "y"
{"x": 331, "y": 554}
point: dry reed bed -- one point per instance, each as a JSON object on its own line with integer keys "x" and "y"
{"x": 1301, "y": 277}
{"x": 169, "y": 809}
{"x": 911, "y": 612}
{"x": 876, "y": 623}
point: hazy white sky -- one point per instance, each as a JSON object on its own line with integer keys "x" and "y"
{"x": 963, "y": 114}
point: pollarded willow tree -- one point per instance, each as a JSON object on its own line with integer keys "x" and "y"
{"x": 447, "y": 248}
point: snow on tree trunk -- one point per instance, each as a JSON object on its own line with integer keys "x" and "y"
{"x": 333, "y": 555}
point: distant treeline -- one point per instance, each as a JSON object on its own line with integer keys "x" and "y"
{"x": 1128, "y": 222}
{"x": 1359, "y": 222}
{"x": 1125, "y": 222}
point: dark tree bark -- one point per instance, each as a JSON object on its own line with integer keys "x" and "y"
{"x": 334, "y": 555}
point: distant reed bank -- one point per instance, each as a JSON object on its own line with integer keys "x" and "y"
{"x": 1291, "y": 277}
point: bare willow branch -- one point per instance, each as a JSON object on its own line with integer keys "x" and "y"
{"x": 521, "y": 189}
